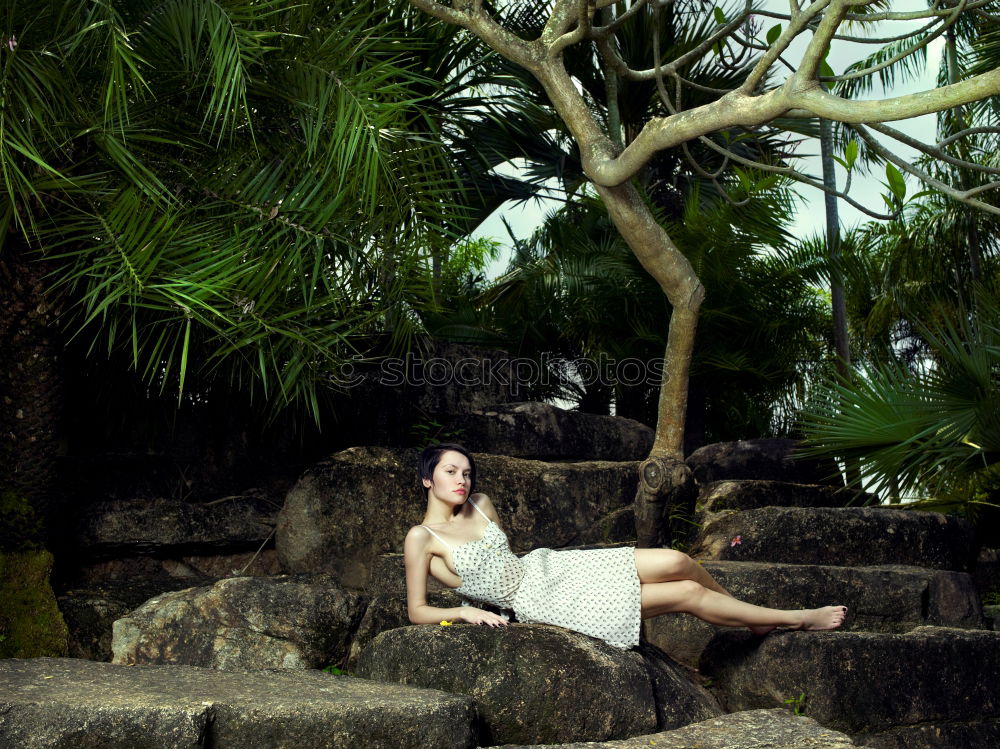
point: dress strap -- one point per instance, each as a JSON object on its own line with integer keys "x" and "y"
{"x": 447, "y": 545}
{"x": 478, "y": 510}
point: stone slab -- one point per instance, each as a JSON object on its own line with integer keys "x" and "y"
{"x": 750, "y": 729}
{"x": 862, "y": 682}
{"x": 162, "y": 526}
{"x": 48, "y": 702}
{"x": 545, "y": 432}
{"x": 839, "y": 536}
{"x": 888, "y": 598}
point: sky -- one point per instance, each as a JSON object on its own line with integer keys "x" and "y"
{"x": 525, "y": 217}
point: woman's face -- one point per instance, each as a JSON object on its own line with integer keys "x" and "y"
{"x": 451, "y": 478}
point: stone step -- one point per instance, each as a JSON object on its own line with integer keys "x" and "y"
{"x": 539, "y": 684}
{"x": 173, "y": 527}
{"x": 887, "y": 598}
{"x": 932, "y": 687}
{"x": 772, "y": 459}
{"x": 749, "y": 729}
{"x": 750, "y": 494}
{"x": 545, "y": 432}
{"x": 48, "y": 702}
{"x": 849, "y": 537}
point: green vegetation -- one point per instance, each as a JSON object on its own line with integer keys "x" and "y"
{"x": 30, "y": 623}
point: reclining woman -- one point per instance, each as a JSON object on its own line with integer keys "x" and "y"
{"x": 604, "y": 593}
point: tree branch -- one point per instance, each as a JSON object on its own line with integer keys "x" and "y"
{"x": 963, "y": 196}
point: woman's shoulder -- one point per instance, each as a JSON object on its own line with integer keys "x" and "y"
{"x": 416, "y": 537}
{"x": 484, "y": 503}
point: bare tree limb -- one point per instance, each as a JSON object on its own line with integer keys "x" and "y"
{"x": 936, "y": 152}
{"x": 963, "y": 196}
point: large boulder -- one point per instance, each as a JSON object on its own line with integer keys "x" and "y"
{"x": 124, "y": 527}
{"x": 358, "y": 504}
{"x": 48, "y": 702}
{"x": 749, "y": 729}
{"x": 546, "y": 432}
{"x": 770, "y": 459}
{"x": 243, "y": 623}
{"x": 866, "y": 684}
{"x": 540, "y": 684}
{"x": 848, "y": 536}
{"x": 879, "y": 599}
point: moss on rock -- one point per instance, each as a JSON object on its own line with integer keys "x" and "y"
{"x": 30, "y": 623}
{"x": 20, "y": 526}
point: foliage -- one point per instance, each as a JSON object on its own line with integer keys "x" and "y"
{"x": 575, "y": 290}
{"x": 233, "y": 191}
{"x": 932, "y": 429}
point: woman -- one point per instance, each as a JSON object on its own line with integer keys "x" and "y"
{"x": 599, "y": 592}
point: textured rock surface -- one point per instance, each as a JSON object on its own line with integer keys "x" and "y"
{"x": 751, "y": 729}
{"x": 170, "y": 526}
{"x": 539, "y": 684}
{"x": 768, "y": 459}
{"x": 879, "y": 599}
{"x": 73, "y": 703}
{"x": 850, "y": 537}
{"x": 859, "y": 682}
{"x": 546, "y": 432}
{"x": 359, "y": 503}
{"x": 976, "y": 734}
{"x": 243, "y": 623}
{"x": 749, "y": 494}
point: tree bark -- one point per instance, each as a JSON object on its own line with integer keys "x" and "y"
{"x": 30, "y": 399}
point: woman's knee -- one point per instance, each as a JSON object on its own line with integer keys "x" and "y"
{"x": 662, "y": 565}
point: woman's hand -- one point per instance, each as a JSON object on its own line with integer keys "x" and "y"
{"x": 472, "y": 615}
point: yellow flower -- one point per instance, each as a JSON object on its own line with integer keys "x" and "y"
{"x": 445, "y": 623}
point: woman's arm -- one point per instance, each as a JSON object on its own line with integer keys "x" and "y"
{"x": 417, "y": 558}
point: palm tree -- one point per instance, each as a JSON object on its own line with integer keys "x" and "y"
{"x": 212, "y": 194}
{"x": 929, "y": 431}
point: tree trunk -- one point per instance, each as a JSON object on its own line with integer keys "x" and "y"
{"x": 666, "y": 484}
{"x": 30, "y": 400}
{"x": 841, "y": 340}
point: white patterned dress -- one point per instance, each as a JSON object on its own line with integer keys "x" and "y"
{"x": 593, "y": 591}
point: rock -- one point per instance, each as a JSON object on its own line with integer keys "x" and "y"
{"x": 545, "y": 432}
{"x": 862, "y": 682}
{"x": 974, "y": 734}
{"x": 63, "y": 702}
{"x": 89, "y": 617}
{"x": 243, "y": 623}
{"x": 750, "y": 729}
{"x": 849, "y": 537}
{"x": 358, "y": 504}
{"x": 126, "y": 527}
{"x": 30, "y": 622}
{"x": 767, "y": 459}
{"x": 720, "y": 496}
{"x": 539, "y": 684}
{"x": 879, "y": 599}
{"x": 987, "y": 573}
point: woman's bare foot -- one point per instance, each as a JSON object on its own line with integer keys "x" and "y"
{"x": 827, "y": 617}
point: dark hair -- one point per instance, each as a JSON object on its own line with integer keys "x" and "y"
{"x": 431, "y": 456}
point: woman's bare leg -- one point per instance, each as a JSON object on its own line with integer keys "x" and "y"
{"x": 666, "y": 565}
{"x": 691, "y": 597}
